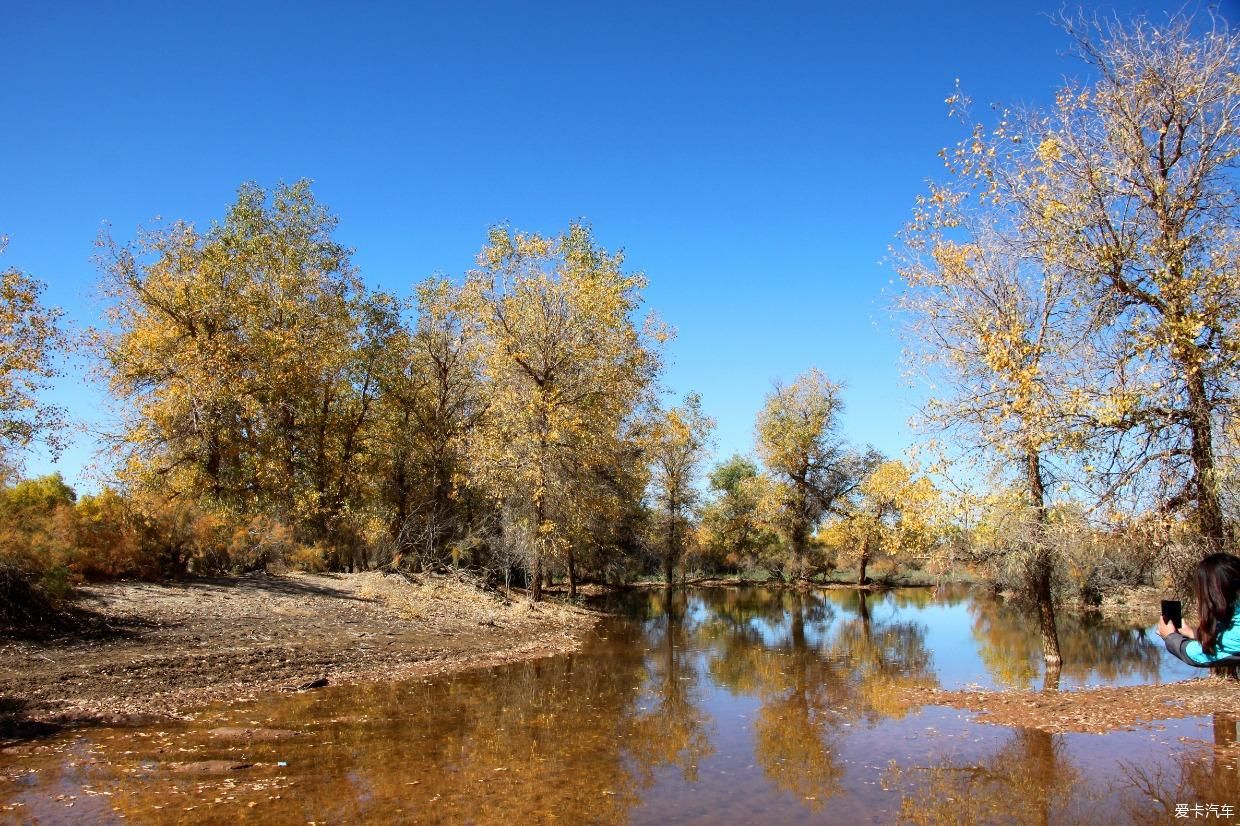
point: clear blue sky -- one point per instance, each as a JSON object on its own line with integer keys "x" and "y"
{"x": 753, "y": 159}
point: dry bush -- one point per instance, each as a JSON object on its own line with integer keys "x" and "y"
{"x": 309, "y": 558}
{"x": 25, "y": 603}
{"x": 1176, "y": 567}
{"x": 36, "y": 534}
{"x": 1090, "y": 562}
{"x": 50, "y": 540}
{"x": 106, "y": 545}
{"x": 36, "y": 544}
{"x": 259, "y": 543}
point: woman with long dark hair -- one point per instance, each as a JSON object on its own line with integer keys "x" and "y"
{"x": 1216, "y": 639}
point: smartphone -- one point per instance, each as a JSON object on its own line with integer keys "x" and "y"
{"x": 1173, "y": 612}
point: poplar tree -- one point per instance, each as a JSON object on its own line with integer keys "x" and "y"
{"x": 995, "y": 334}
{"x": 246, "y": 357}
{"x": 679, "y": 442}
{"x": 431, "y": 398}
{"x": 565, "y": 368}
{"x": 1128, "y": 186}
{"x": 31, "y": 338}
{"x": 811, "y": 469}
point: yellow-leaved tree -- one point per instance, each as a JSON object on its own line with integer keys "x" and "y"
{"x": 678, "y": 443}
{"x": 431, "y": 398}
{"x": 566, "y": 369}
{"x": 997, "y": 335}
{"x": 245, "y": 358}
{"x": 1074, "y": 287}
{"x": 1128, "y": 185}
{"x": 895, "y": 513}
{"x": 31, "y": 338}
{"x": 811, "y": 470}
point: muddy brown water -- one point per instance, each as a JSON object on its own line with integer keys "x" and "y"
{"x": 711, "y": 706}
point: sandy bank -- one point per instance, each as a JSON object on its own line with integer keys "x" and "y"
{"x": 180, "y": 646}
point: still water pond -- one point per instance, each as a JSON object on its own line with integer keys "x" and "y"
{"x": 707, "y": 706}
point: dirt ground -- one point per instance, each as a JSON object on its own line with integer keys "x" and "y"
{"x": 1097, "y": 710}
{"x": 174, "y": 647}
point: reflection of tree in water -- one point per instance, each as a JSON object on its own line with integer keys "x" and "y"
{"x": 948, "y": 593}
{"x": 760, "y": 648}
{"x": 563, "y": 738}
{"x": 581, "y": 738}
{"x": 883, "y": 657}
{"x": 1011, "y": 649}
{"x": 777, "y": 647}
{"x": 794, "y": 743}
{"x": 673, "y": 732}
{"x": 1209, "y": 774}
{"x": 1026, "y": 781}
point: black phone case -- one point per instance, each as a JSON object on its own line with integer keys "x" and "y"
{"x": 1173, "y": 612}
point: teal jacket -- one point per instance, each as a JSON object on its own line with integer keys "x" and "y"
{"x": 1226, "y": 647}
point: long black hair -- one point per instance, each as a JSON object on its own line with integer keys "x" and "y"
{"x": 1218, "y": 582}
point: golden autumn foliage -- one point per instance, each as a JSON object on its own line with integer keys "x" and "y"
{"x": 811, "y": 471}
{"x": 499, "y": 422}
{"x": 677, "y": 444}
{"x": 895, "y": 514}
{"x": 431, "y": 397}
{"x": 61, "y": 538}
{"x": 566, "y": 370}
{"x": 243, "y": 353}
{"x": 1118, "y": 206}
{"x": 1137, "y": 204}
{"x": 30, "y": 338}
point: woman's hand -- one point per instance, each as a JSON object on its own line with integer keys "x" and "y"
{"x": 1165, "y": 628}
{"x": 1187, "y": 630}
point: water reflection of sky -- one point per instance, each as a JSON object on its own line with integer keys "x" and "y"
{"x": 976, "y": 640}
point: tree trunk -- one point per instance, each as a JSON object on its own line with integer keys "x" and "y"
{"x": 1043, "y": 764}
{"x": 537, "y": 577}
{"x": 213, "y": 465}
{"x": 1041, "y": 569}
{"x": 285, "y": 497}
{"x": 800, "y": 538}
{"x": 572, "y": 574}
{"x": 1046, "y": 612}
{"x": 798, "y": 623}
{"x": 536, "y": 574}
{"x": 1209, "y": 509}
{"x": 1190, "y": 357}
{"x": 1224, "y": 730}
{"x": 865, "y": 559}
{"x": 441, "y": 508}
{"x": 540, "y": 512}
{"x": 669, "y": 557}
